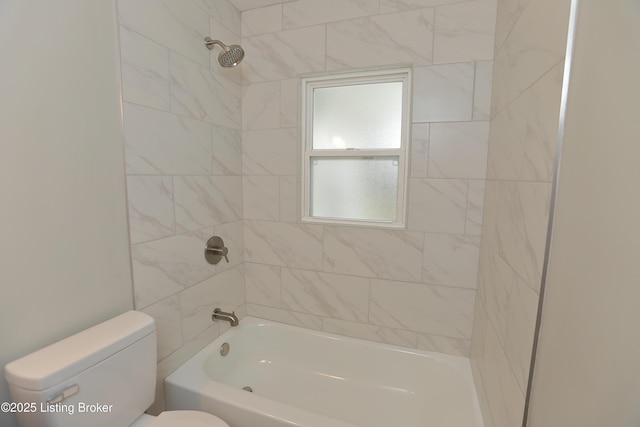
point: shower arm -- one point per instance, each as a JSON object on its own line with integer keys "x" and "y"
{"x": 209, "y": 42}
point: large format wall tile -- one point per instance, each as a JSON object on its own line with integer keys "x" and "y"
{"x": 202, "y": 94}
{"x": 423, "y": 308}
{"x": 225, "y": 290}
{"x": 261, "y": 106}
{"x": 531, "y": 49}
{"x": 496, "y": 280}
{"x": 437, "y": 205}
{"x": 325, "y": 294}
{"x": 304, "y": 13}
{"x": 451, "y": 260}
{"x": 164, "y": 267}
{"x": 476, "y": 356}
{"x": 283, "y": 244}
{"x": 419, "y": 150}
{"x": 541, "y": 143}
{"x": 482, "y": 90}
{"x": 289, "y": 103}
{"x": 521, "y": 323}
{"x": 388, "y": 254}
{"x": 447, "y": 345}
{"x": 157, "y": 142}
{"x": 370, "y": 332}
{"x": 263, "y": 284}
{"x": 387, "y": 6}
{"x": 458, "y": 150}
{"x": 166, "y": 314}
{"x": 145, "y": 71}
{"x": 478, "y": 339}
{"x": 245, "y": 5}
{"x": 270, "y": 152}
{"x": 504, "y": 396}
{"x": 381, "y": 40}
{"x": 507, "y": 15}
{"x": 284, "y": 54}
{"x": 515, "y": 225}
{"x": 464, "y": 32}
{"x": 508, "y": 136}
{"x": 179, "y": 25}
{"x": 151, "y": 213}
{"x": 222, "y": 11}
{"x": 288, "y": 198}
{"x": 524, "y": 135}
{"x": 304, "y": 320}
{"x": 443, "y": 93}
{"x": 261, "y": 197}
{"x": 261, "y": 21}
{"x": 475, "y": 205}
{"x": 227, "y": 150}
{"x": 203, "y": 201}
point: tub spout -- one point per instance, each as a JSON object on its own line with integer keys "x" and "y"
{"x": 222, "y": 315}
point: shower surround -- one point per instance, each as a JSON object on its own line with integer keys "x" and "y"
{"x": 216, "y": 151}
{"x": 183, "y": 157}
{"x": 413, "y": 287}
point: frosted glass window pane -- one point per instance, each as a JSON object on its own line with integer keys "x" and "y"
{"x": 359, "y": 188}
{"x": 358, "y": 116}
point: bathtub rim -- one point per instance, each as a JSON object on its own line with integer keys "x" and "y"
{"x": 452, "y": 360}
{"x": 184, "y": 376}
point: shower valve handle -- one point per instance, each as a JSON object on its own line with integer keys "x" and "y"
{"x": 220, "y": 251}
{"x": 215, "y": 250}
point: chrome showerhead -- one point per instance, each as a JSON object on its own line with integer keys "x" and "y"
{"x": 230, "y": 55}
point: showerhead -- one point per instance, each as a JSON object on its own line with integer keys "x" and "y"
{"x": 230, "y": 55}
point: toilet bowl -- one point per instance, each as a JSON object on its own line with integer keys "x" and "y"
{"x": 104, "y": 376}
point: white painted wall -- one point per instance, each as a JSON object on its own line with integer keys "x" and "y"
{"x": 64, "y": 257}
{"x": 586, "y": 370}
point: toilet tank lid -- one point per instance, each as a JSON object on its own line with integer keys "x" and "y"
{"x": 64, "y": 359}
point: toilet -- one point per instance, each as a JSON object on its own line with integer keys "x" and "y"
{"x": 104, "y": 376}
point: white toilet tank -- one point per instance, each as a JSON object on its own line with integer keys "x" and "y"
{"x": 101, "y": 377}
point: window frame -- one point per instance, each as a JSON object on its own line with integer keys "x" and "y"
{"x": 308, "y": 85}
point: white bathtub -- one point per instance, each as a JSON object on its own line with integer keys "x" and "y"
{"x": 308, "y": 378}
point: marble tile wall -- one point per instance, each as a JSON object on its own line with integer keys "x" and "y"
{"x": 215, "y": 151}
{"x": 528, "y": 73}
{"x": 413, "y": 287}
{"x": 183, "y": 149}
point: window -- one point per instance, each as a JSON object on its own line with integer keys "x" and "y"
{"x": 354, "y": 162}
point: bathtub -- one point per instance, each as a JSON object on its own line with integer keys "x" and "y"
{"x": 307, "y": 378}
